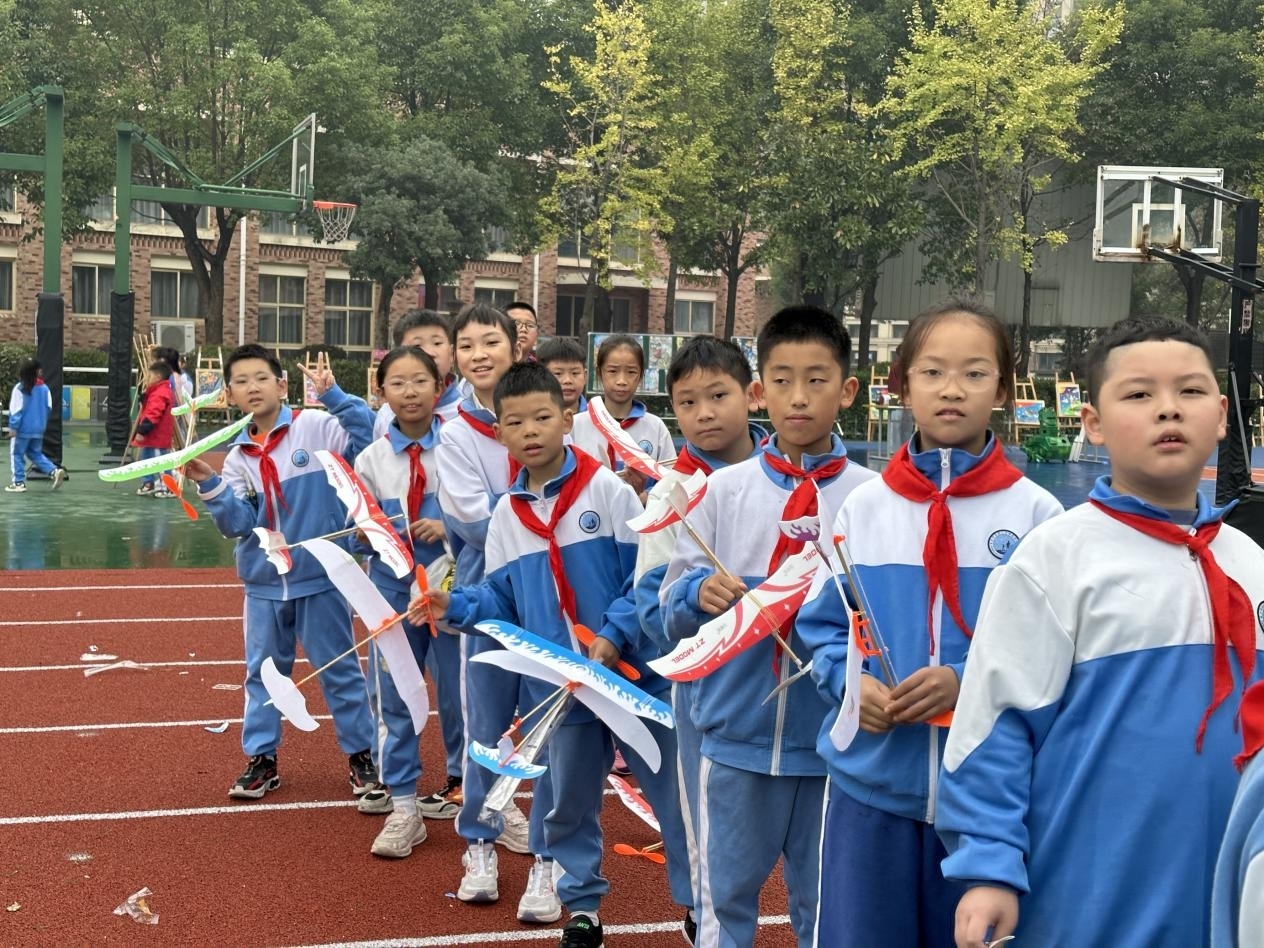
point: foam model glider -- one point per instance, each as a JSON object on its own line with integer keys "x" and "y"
{"x": 165, "y": 462}
{"x": 368, "y": 516}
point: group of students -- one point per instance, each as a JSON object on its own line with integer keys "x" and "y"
{"x": 1086, "y": 768}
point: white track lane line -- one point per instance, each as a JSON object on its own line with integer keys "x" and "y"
{"x": 233, "y": 810}
{"x": 511, "y": 937}
{"x": 136, "y": 725}
{"x": 206, "y": 663}
{"x": 88, "y": 621}
{"x": 38, "y": 589}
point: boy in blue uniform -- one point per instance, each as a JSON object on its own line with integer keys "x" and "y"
{"x": 1237, "y": 899}
{"x": 761, "y": 784}
{"x": 272, "y": 479}
{"x": 559, "y": 552}
{"x": 1089, "y": 766}
{"x": 710, "y": 384}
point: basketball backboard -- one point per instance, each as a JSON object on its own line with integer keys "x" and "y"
{"x": 303, "y": 158}
{"x": 1139, "y": 206}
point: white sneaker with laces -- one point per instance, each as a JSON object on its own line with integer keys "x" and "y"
{"x": 16, "y": 488}
{"x": 479, "y": 884}
{"x": 399, "y": 835}
{"x": 59, "y": 475}
{"x": 539, "y": 903}
{"x": 515, "y": 836}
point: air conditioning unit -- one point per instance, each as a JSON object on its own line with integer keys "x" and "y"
{"x": 178, "y": 334}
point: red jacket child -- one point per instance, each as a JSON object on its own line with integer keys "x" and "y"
{"x": 155, "y": 426}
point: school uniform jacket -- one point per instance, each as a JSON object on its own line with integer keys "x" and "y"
{"x": 598, "y": 552}
{"x": 384, "y": 467}
{"x": 646, "y": 429}
{"x": 1070, "y": 772}
{"x": 885, "y": 532}
{"x": 473, "y": 474}
{"x": 1237, "y": 906}
{"x": 28, "y": 414}
{"x": 738, "y": 519}
{"x": 312, "y": 508}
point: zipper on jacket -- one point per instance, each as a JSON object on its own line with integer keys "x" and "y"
{"x": 932, "y": 733}
{"x": 779, "y": 722}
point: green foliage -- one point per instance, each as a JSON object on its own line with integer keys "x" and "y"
{"x": 603, "y": 181}
{"x": 420, "y": 208}
{"x": 985, "y": 103}
{"x": 13, "y": 354}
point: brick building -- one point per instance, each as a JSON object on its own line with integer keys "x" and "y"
{"x": 298, "y": 291}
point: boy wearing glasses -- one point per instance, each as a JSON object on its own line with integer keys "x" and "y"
{"x": 523, "y": 315}
{"x": 272, "y": 479}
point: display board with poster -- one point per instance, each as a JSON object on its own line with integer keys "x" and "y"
{"x": 658, "y": 348}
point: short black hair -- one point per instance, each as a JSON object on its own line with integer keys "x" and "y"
{"x": 560, "y": 349}
{"x": 160, "y": 367}
{"x": 421, "y": 355}
{"x": 416, "y": 318}
{"x": 803, "y": 323}
{"x": 521, "y": 304}
{"x": 485, "y": 315}
{"x": 251, "y": 350}
{"x": 1136, "y": 329}
{"x": 703, "y": 353}
{"x": 527, "y": 378}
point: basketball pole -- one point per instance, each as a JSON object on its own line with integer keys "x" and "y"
{"x": 1233, "y": 467}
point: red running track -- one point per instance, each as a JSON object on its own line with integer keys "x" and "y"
{"x": 114, "y": 783}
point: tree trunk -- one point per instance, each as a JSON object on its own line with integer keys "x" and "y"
{"x": 382, "y": 316}
{"x": 208, "y": 265}
{"x": 1193, "y": 281}
{"x": 669, "y": 308}
{"x": 1023, "y": 355}
{"x": 430, "y": 299}
{"x": 868, "y": 304}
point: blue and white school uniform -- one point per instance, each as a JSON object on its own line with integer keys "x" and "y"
{"x": 1070, "y": 773}
{"x": 761, "y": 782}
{"x": 598, "y": 553}
{"x": 474, "y": 473}
{"x": 654, "y": 552}
{"x": 28, "y": 417}
{"x": 880, "y": 876}
{"x": 1237, "y": 900}
{"x": 386, "y": 470}
{"x": 646, "y": 429}
{"x": 303, "y": 604}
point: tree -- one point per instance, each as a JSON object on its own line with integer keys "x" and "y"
{"x": 603, "y": 181}
{"x": 218, "y": 83}
{"x": 420, "y": 208}
{"x": 837, "y": 208}
{"x": 1176, "y": 93}
{"x": 986, "y": 100}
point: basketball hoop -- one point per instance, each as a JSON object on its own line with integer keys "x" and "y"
{"x": 335, "y": 218}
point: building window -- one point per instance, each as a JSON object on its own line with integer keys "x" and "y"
{"x": 695, "y": 316}
{"x": 8, "y": 198}
{"x": 498, "y": 240}
{"x": 172, "y": 294}
{"x": 348, "y": 313}
{"x": 620, "y": 319}
{"x": 496, "y": 296}
{"x": 450, "y": 301}
{"x": 282, "y": 302}
{"x": 277, "y": 223}
{"x": 152, "y": 212}
{"x": 90, "y": 289}
{"x": 570, "y": 310}
{"x": 573, "y": 245}
{"x": 6, "y": 285}
{"x": 102, "y": 209}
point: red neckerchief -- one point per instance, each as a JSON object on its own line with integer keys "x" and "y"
{"x": 939, "y": 551}
{"x": 585, "y": 468}
{"x": 625, "y": 424}
{"x": 687, "y": 462}
{"x": 487, "y": 431}
{"x": 268, "y": 470}
{"x": 802, "y": 502}
{"x": 1251, "y": 712}
{"x": 1232, "y": 618}
{"x": 416, "y": 483}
